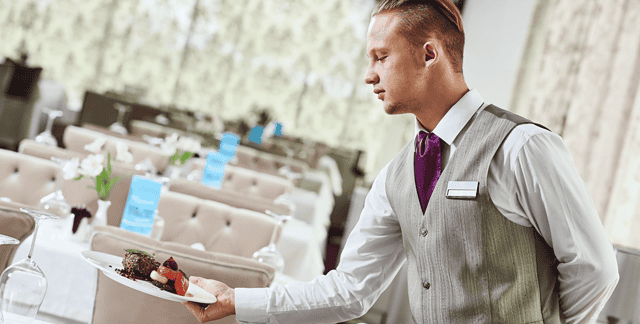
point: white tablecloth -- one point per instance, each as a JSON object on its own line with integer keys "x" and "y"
{"x": 15, "y": 319}
{"x": 72, "y": 281}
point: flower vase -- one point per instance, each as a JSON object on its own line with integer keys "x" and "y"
{"x": 100, "y": 218}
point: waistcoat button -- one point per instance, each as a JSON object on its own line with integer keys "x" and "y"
{"x": 426, "y": 284}
{"x": 424, "y": 232}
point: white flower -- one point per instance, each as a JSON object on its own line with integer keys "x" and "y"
{"x": 122, "y": 152}
{"x": 92, "y": 165}
{"x": 168, "y": 149}
{"x": 70, "y": 169}
{"x": 96, "y": 146}
{"x": 188, "y": 144}
{"x": 173, "y": 139}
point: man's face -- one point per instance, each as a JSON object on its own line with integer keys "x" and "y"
{"x": 396, "y": 67}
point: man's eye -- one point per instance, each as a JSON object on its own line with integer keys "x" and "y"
{"x": 382, "y": 58}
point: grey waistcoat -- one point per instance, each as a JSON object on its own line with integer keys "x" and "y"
{"x": 467, "y": 263}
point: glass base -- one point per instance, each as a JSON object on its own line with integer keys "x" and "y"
{"x": 271, "y": 256}
{"x": 46, "y": 138}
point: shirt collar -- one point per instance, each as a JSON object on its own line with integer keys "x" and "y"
{"x": 456, "y": 118}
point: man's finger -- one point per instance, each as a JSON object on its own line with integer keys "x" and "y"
{"x": 195, "y": 309}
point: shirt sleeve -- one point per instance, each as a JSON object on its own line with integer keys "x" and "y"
{"x": 371, "y": 258}
{"x": 551, "y": 197}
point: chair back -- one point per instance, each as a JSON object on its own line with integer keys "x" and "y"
{"x": 16, "y": 225}
{"x": 78, "y": 192}
{"x": 228, "y": 197}
{"x": 219, "y": 227}
{"x": 26, "y": 179}
{"x": 250, "y": 182}
{"x": 116, "y": 303}
{"x": 75, "y": 138}
{"x": 263, "y": 162}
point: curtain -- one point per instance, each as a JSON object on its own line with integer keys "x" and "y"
{"x": 302, "y": 59}
{"x": 580, "y": 77}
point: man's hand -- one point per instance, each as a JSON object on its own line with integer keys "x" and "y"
{"x": 225, "y": 306}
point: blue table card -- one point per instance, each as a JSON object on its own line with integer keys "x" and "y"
{"x": 278, "y": 130}
{"x": 229, "y": 144}
{"x": 142, "y": 202}
{"x": 213, "y": 172}
{"x": 256, "y": 134}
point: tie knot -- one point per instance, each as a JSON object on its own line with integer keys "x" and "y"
{"x": 425, "y": 140}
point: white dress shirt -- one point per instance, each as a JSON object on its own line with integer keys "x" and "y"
{"x": 532, "y": 181}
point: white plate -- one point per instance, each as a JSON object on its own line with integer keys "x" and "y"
{"x": 108, "y": 264}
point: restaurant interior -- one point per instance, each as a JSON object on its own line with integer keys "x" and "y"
{"x": 238, "y": 138}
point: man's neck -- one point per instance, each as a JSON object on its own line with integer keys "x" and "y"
{"x": 443, "y": 99}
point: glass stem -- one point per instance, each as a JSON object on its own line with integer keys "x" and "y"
{"x": 50, "y": 124}
{"x": 121, "y": 116}
{"x": 272, "y": 242}
{"x": 33, "y": 241}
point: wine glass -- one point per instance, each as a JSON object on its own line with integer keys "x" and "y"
{"x": 55, "y": 202}
{"x": 286, "y": 170}
{"x": 269, "y": 254}
{"x": 6, "y": 240}
{"x": 118, "y": 126}
{"x": 46, "y": 137}
{"x": 23, "y": 285}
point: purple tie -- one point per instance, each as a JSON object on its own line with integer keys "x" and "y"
{"x": 427, "y": 165}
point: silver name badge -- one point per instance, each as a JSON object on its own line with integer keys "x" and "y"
{"x": 462, "y": 189}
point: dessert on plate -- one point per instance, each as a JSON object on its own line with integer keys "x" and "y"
{"x": 140, "y": 265}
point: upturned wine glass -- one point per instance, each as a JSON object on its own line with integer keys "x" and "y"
{"x": 118, "y": 126}
{"x": 269, "y": 254}
{"x": 23, "y": 285}
{"x": 46, "y": 137}
{"x": 55, "y": 202}
{"x": 6, "y": 240}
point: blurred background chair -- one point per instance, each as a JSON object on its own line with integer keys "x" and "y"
{"x": 229, "y": 235}
{"x": 16, "y": 225}
{"x": 26, "y": 179}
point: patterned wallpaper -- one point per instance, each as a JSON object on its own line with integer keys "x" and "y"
{"x": 303, "y": 59}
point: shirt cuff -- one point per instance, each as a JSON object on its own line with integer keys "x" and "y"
{"x": 251, "y": 305}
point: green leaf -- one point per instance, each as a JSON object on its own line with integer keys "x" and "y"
{"x": 108, "y": 165}
{"x": 79, "y": 177}
{"x": 185, "y": 156}
{"x": 111, "y": 183}
{"x": 174, "y": 158}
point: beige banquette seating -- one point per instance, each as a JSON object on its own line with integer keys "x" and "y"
{"x": 24, "y": 180}
{"x": 249, "y": 182}
{"x": 75, "y": 138}
{"x": 76, "y": 193}
{"x": 14, "y": 224}
{"x": 229, "y": 235}
{"x": 263, "y": 162}
{"x": 241, "y": 188}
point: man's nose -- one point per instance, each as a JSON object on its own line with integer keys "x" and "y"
{"x": 371, "y": 77}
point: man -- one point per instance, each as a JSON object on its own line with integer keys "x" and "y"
{"x": 485, "y": 206}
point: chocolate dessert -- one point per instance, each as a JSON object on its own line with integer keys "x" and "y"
{"x": 142, "y": 266}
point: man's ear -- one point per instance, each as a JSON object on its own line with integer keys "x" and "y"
{"x": 430, "y": 53}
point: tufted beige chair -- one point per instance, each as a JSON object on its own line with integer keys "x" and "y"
{"x": 250, "y": 182}
{"x": 230, "y": 236}
{"x": 16, "y": 225}
{"x": 263, "y": 162}
{"x": 76, "y": 192}
{"x": 26, "y": 179}
{"x": 75, "y": 138}
{"x": 228, "y": 197}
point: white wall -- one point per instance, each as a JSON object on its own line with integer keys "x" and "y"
{"x": 496, "y": 32}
